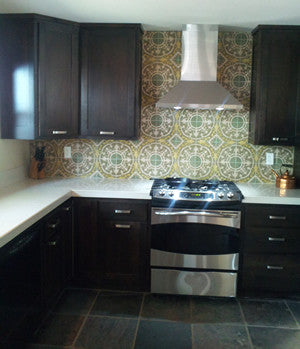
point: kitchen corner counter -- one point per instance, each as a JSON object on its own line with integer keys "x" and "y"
{"x": 24, "y": 203}
{"x": 268, "y": 194}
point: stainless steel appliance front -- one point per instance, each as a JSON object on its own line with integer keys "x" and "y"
{"x": 194, "y": 251}
{"x": 177, "y": 215}
{"x": 201, "y": 283}
{"x": 169, "y": 259}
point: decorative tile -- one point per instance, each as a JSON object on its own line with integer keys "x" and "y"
{"x": 116, "y": 159}
{"x": 155, "y": 160}
{"x": 237, "y": 79}
{"x": 234, "y": 125}
{"x": 175, "y": 140}
{"x": 196, "y": 124}
{"x": 236, "y": 44}
{"x": 195, "y": 161}
{"x": 83, "y": 159}
{"x": 157, "y": 122}
{"x": 216, "y": 142}
{"x": 158, "y": 79}
{"x": 235, "y": 162}
{"x": 160, "y": 44}
{"x": 282, "y": 155}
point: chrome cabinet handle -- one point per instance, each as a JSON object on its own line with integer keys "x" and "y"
{"x": 278, "y": 217}
{"x": 122, "y": 211}
{"x": 274, "y": 267}
{"x": 123, "y": 226}
{"x": 276, "y": 239}
{"x": 277, "y": 139}
{"x": 110, "y": 133}
{"x": 59, "y": 132}
{"x": 54, "y": 225}
{"x": 188, "y": 213}
{"x": 67, "y": 208}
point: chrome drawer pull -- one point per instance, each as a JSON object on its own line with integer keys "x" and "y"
{"x": 274, "y": 267}
{"x": 122, "y": 211}
{"x": 123, "y": 226}
{"x": 278, "y": 217}
{"x": 276, "y": 239}
{"x": 59, "y": 132}
{"x": 54, "y": 225}
{"x": 68, "y": 208}
{"x": 108, "y": 133}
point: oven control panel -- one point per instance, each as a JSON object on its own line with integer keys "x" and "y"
{"x": 195, "y": 195}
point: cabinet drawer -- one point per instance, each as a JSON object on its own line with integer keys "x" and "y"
{"x": 123, "y": 210}
{"x": 271, "y": 264}
{"x": 272, "y": 216}
{"x": 276, "y": 273}
{"x": 272, "y": 240}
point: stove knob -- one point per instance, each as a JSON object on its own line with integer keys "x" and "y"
{"x": 171, "y": 193}
{"x": 230, "y": 195}
{"x": 221, "y": 195}
{"x": 204, "y": 187}
{"x": 162, "y": 193}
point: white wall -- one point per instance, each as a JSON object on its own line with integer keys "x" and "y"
{"x": 14, "y": 161}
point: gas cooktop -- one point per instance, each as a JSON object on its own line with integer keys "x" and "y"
{"x": 185, "y": 189}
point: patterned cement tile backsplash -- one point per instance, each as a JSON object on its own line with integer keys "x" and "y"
{"x": 196, "y": 144}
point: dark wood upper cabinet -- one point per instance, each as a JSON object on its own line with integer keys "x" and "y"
{"x": 39, "y": 77}
{"x": 275, "y": 85}
{"x": 110, "y": 80}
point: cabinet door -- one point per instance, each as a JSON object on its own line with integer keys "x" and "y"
{"x": 123, "y": 254}
{"x": 275, "y": 85}
{"x": 53, "y": 257}
{"x": 58, "y": 80}
{"x": 86, "y": 239}
{"x": 110, "y": 81}
{"x": 67, "y": 230}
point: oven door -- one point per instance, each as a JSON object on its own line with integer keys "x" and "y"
{"x": 201, "y": 246}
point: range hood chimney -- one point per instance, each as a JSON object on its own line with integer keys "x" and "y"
{"x": 198, "y": 87}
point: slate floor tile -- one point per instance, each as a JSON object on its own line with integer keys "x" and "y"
{"x": 118, "y": 304}
{"x": 274, "y": 338}
{"x": 75, "y": 301}
{"x": 267, "y": 313}
{"x": 216, "y": 336}
{"x": 295, "y": 308}
{"x": 166, "y": 307}
{"x": 110, "y": 333}
{"x": 163, "y": 335}
{"x": 216, "y": 311}
{"x": 59, "y": 329}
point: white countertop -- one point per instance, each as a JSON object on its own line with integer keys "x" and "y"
{"x": 23, "y": 204}
{"x": 268, "y": 194}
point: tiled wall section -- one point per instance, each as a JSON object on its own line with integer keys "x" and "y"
{"x": 189, "y": 143}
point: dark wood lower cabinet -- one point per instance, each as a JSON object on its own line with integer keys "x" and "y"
{"x": 57, "y": 251}
{"x": 112, "y": 244}
{"x": 270, "y": 251}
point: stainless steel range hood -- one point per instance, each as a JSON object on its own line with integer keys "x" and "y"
{"x": 198, "y": 87}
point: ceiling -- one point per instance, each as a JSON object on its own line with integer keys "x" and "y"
{"x": 165, "y": 14}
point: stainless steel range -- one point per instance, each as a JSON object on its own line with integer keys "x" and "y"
{"x": 195, "y": 237}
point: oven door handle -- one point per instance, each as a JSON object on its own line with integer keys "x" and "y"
{"x": 200, "y": 213}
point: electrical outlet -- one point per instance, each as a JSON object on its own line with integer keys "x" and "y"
{"x": 67, "y": 153}
{"x": 269, "y": 158}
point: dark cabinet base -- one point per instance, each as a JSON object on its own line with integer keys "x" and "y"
{"x": 112, "y": 244}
